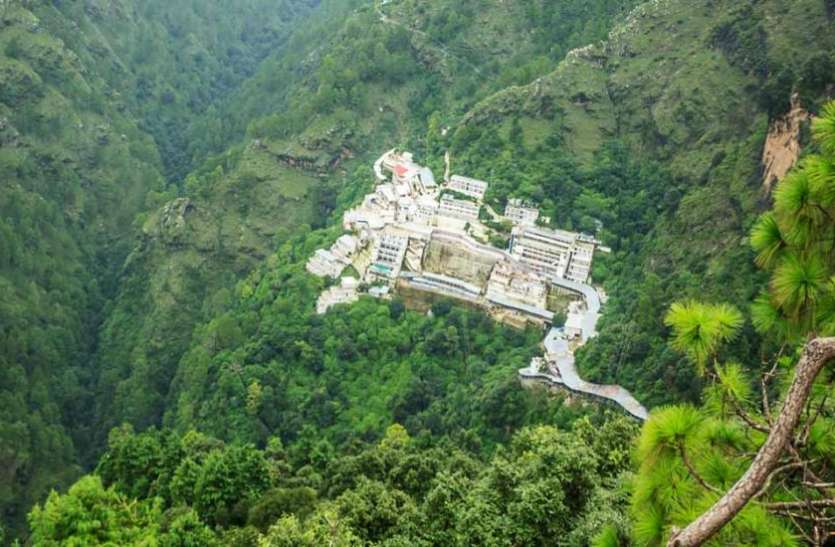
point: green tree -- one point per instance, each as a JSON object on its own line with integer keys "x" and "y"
{"x": 89, "y": 514}
{"x": 228, "y": 482}
{"x": 182, "y": 527}
{"x": 697, "y": 467}
{"x": 323, "y": 528}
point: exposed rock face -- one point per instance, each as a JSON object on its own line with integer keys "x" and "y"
{"x": 173, "y": 218}
{"x": 446, "y": 259}
{"x": 782, "y": 146}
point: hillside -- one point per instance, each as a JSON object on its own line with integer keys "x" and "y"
{"x": 75, "y": 170}
{"x": 169, "y": 167}
{"x": 671, "y": 110}
{"x": 82, "y": 158}
{"x": 564, "y": 142}
{"x": 336, "y": 118}
{"x": 172, "y": 64}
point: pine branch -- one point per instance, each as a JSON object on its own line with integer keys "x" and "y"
{"x": 706, "y": 485}
{"x": 815, "y": 355}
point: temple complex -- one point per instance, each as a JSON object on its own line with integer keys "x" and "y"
{"x": 411, "y": 232}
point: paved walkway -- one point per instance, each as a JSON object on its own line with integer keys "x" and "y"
{"x": 560, "y": 359}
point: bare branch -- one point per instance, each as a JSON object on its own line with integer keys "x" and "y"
{"x": 819, "y": 484}
{"x": 777, "y": 471}
{"x": 766, "y": 379}
{"x": 749, "y": 421}
{"x": 794, "y": 517}
{"x": 800, "y": 504}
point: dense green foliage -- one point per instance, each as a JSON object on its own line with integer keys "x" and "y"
{"x": 77, "y": 168}
{"x": 186, "y": 306}
{"x": 271, "y": 366}
{"x": 193, "y": 489}
{"x": 174, "y": 63}
{"x": 322, "y": 106}
{"x": 75, "y": 171}
{"x": 691, "y": 121}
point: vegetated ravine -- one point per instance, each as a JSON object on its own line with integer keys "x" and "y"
{"x": 169, "y": 167}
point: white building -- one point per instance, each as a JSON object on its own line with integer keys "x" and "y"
{"x": 467, "y": 186}
{"x": 345, "y": 247}
{"x": 458, "y": 208}
{"x": 324, "y": 263}
{"x": 554, "y": 253}
{"x": 579, "y": 266}
{"x": 520, "y": 212}
{"x": 574, "y": 321}
{"x": 344, "y": 293}
{"x": 546, "y": 251}
{"x": 389, "y": 251}
{"x": 427, "y": 208}
{"x": 509, "y": 280}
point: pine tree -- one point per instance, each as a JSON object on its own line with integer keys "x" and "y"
{"x": 747, "y": 467}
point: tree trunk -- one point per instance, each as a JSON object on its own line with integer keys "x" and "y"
{"x": 815, "y": 355}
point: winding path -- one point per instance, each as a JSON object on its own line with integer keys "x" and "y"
{"x": 378, "y": 6}
{"x": 562, "y": 370}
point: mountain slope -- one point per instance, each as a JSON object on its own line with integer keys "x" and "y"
{"x": 655, "y": 132}
{"x": 173, "y": 63}
{"x": 685, "y": 91}
{"x": 75, "y": 172}
{"x": 651, "y": 136}
{"x": 357, "y": 84}
{"x": 82, "y": 83}
{"x": 188, "y": 251}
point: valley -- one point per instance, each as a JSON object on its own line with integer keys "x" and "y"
{"x": 568, "y": 302}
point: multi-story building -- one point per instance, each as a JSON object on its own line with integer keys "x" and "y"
{"x": 467, "y": 186}
{"x": 520, "y": 212}
{"x": 389, "y": 251}
{"x": 509, "y": 280}
{"x": 554, "y": 253}
{"x": 579, "y": 266}
{"x": 427, "y": 208}
{"x": 458, "y": 208}
{"x": 546, "y": 251}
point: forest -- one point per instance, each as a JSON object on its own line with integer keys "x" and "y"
{"x": 169, "y": 167}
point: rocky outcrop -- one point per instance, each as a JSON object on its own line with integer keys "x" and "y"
{"x": 782, "y": 145}
{"x": 173, "y": 217}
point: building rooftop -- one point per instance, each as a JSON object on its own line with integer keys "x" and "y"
{"x": 427, "y": 177}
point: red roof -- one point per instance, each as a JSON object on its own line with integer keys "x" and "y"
{"x": 400, "y": 169}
